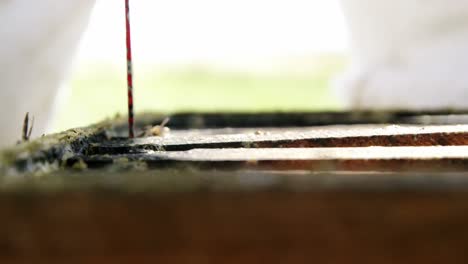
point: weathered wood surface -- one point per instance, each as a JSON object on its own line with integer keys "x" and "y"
{"x": 305, "y": 137}
{"x": 354, "y": 148}
{"x": 337, "y": 194}
{"x": 440, "y": 158}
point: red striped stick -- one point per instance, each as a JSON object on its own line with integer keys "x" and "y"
{"x": 131, "y": 125}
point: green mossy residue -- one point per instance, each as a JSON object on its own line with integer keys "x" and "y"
{"x": 48, "y": 153}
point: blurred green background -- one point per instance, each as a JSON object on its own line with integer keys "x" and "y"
{"x": 99, "y": 89}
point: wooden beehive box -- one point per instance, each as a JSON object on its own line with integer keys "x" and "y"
{"x": 229, "y": 188}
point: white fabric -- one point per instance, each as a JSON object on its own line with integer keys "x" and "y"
{"x": 38, "y": 41}
{"x": 407, "y": 54}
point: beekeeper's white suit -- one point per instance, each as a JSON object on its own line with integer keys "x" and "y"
{"x": 38, "y": 39}
{"x": 410, "y": 54}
